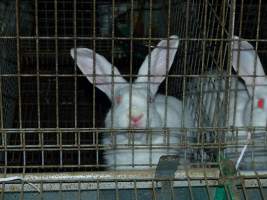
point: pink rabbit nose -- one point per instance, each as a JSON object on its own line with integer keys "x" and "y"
{"x": 135, "y": 119}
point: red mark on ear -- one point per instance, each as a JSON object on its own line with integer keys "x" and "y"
{"x": 261, "y": 103}
{"x": 118, "y": 99}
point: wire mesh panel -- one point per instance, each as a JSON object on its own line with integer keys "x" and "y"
{"x": 126, "y": 185}
{"x": 137, "y": 185}
{"x": 165, "y": 79}
{"x": 59, "y": 119}
{"x": 224, "y": 97}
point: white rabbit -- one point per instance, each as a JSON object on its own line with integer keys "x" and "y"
{"x": 138, "y": 149}
{"x": 247, "y": 107}
{"x": 251, "y": 106}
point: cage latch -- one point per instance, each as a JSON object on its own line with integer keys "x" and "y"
{"x": 165, "y": 174}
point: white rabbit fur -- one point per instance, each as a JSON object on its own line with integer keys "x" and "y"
{"x": 243, "y": 109}
{"x": 139, "y": 150}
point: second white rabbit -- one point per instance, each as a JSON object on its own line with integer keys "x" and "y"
{"x": 246, "y": 105}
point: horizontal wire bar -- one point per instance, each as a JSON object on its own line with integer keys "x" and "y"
{"x": 126, "y": 38}
{"x": 125, "y": 75}
{"x": 141, "y": 130}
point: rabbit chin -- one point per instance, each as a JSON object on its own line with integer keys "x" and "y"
{"x": 122, "y": 123}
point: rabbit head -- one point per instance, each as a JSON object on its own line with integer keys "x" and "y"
{"x": 132, "y": 105}
{"x": 247, "y": 64}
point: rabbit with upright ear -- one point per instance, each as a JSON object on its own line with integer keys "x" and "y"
{"x": 137, "y": 107}
{"x": 251, "y": 106}
{"x": 247, "y": 107}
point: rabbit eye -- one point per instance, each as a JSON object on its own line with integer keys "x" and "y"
{"x": 261, "y": 103}
{"x": 118, "y": 99}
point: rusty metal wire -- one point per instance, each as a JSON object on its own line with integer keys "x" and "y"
{"x": 52, "y": 119}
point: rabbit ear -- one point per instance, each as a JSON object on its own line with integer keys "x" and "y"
{"x": 103, "y": 69}
{"x": 161, "y": 59}
{"x": 246, "y": 61}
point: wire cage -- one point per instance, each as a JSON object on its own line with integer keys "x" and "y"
{"x": 53, "y": 120}
{"x": 221, "y": 93}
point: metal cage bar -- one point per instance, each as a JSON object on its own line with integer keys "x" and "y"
{"x": 53, "y": 120}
